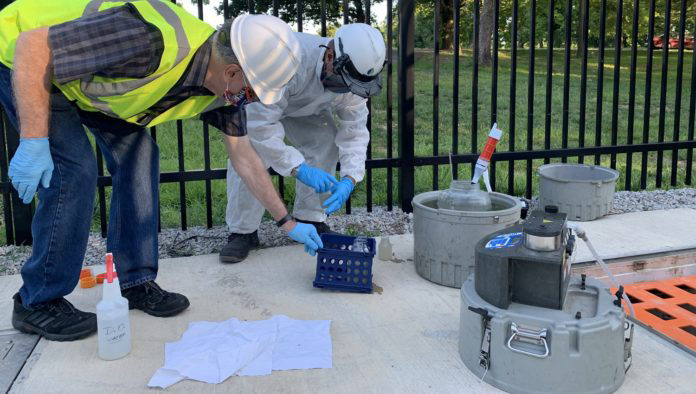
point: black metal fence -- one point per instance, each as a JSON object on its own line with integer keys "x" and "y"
{"x": 537, "y": 147}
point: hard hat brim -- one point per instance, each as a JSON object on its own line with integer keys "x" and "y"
{"x": 268, "y": 92}
{"x": 267, "y": 96}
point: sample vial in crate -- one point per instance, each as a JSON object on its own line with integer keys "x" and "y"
{"x": 345, "y": 263}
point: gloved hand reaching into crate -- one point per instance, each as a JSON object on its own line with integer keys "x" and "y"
{"x": 306, "y": 234}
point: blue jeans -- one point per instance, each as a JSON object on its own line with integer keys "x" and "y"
{"x": 63, "y": 217}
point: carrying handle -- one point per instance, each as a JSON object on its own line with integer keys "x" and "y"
{"x": 536, "y": 336}
{"x": 597, "y": 188}
{"x": 524, "y": 208}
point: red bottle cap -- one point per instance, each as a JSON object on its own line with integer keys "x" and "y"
{"x": 109, "y": 267}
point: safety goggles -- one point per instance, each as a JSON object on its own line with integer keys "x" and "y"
{"x": 346, "y": 77}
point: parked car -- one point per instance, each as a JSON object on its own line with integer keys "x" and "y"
{"x": 658, "y": 41}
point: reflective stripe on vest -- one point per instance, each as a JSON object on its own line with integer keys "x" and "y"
{"x": 101, "y": 89}
{"x": 92, "y": 7}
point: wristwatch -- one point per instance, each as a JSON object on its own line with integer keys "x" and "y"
{"x": 285, "y": 219}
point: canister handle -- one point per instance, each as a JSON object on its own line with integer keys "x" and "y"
{"x": 534, "y": 336}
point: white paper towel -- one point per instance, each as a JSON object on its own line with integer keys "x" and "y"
{"x": 211, "y": 352}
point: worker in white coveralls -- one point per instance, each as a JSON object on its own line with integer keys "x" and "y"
{"x": 323, "y": 114}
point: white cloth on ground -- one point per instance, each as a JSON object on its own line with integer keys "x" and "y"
{"x": 213, "y": 351}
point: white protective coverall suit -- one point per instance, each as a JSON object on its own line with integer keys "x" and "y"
{"x": 323, "y": 127}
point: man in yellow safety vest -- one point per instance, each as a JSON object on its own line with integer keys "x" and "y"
{"x": 117, "y": 67}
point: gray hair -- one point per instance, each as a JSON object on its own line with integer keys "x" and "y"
{"x": 222, "y": 45}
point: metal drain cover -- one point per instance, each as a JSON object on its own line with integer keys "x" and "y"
{"x": 15, "y": 349}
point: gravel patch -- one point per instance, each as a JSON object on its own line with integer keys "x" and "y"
{"x": 199, "y": 240}
{"x": 655, "y": 200}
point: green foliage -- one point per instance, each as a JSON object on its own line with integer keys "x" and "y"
{"x": 193, "y": 133}
{"x": 358, "y": 229}
{"x": 425, "y": 17}
{"x": 287, "y": 10}
{"x": 193, "y": 130}
{"x": 311, "y": 10}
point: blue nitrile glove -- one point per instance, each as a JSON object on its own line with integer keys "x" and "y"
{"x": 316, "y": 178}
{"x": 307, "y": 234}
{"x": 339, "y": 195}
{"x": 30, "y": 165}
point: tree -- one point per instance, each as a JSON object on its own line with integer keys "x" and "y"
{"x": 487, "y": 24}
{"x": 447, "y": 27}
{"x": 424, "y": 20}
{"x": 580, "y": 35}
{"x": 311, "y": 10}
{"x": 425, "y": 17}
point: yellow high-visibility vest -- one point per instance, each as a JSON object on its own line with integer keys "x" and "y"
{"x": 124, "y": 98}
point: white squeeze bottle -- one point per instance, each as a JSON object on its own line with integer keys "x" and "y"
{"x": 112, "y": 317}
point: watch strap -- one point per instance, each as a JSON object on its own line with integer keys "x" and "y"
{"x": 284, "y": 220}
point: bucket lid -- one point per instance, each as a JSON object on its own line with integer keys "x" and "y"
{"x": 544, "y": 170}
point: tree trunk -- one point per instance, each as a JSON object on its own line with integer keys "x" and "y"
{"x": 486, "y": 32}
{"x": 447, "y": 27}
{"x": 359, "y": 11}
{"x": 580, "y": 33}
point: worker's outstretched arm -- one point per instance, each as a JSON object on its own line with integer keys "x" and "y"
{"x": 31, "y": 83}
{"x": 254, "y": 174}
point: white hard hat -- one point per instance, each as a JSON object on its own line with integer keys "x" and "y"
{"x": 268, "y": 52}
{"x": 361, "y": 51}
{"x": 365, "y": 46}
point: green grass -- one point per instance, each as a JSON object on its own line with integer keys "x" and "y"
{"x": 424, "y": 114}
{"x": 193, "y": 136}
{"x": 357, "y": 229}
{"x": 424, "y": 121}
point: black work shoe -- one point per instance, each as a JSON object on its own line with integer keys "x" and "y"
{"x": 322, "y": 227}
{"x": 238, "y": 247}
{"x": 151, "y": 299}
{"x": 58, "y": 320}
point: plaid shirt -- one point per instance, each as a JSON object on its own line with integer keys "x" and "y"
{"x": 118, "y": 43}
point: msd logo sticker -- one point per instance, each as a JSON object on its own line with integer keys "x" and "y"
{"x": 508, "y": 240}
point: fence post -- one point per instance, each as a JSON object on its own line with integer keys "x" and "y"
{"x": 21, "y": 213}
{"x": 406, "y": 102}
{"x": 7, "y": 193}
{"x": 18, "y": 227}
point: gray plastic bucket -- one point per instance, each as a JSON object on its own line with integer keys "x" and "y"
{"x": 444, "y": 240}
{"x": 584, "y": 192}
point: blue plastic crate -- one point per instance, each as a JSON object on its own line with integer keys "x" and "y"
{"x": 341, "y": 268}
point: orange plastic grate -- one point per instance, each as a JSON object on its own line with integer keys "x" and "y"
{"x": 667, "y": 306}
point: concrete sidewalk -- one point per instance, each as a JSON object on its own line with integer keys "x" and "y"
{"x": 639, "y": 233}
{"x": 403, "y": 340}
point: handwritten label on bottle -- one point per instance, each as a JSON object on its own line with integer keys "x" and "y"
{"x": 114, "y": 334}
